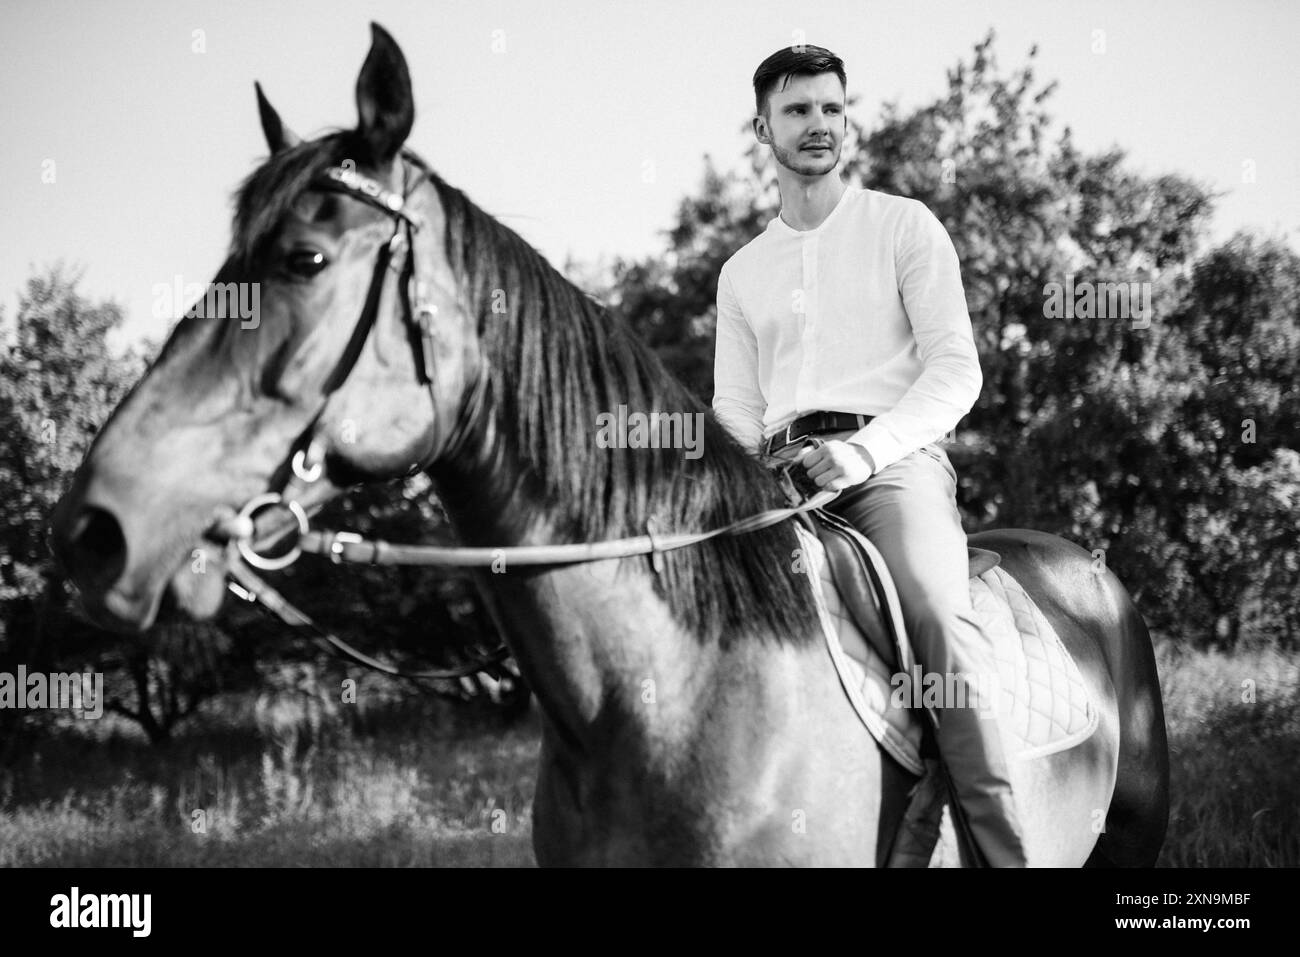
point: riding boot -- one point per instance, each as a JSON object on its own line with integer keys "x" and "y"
{"x": 971, "y": 748}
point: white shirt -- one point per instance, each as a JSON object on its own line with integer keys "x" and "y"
{"x": 865, "y": 313}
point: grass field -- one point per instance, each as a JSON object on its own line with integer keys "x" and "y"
{"x": 1235, "y": 761}
{"x": 417, "y": 785}
{"x": 414, "y": 783}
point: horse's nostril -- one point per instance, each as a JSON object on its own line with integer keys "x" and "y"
{"x": 97, "y": 549}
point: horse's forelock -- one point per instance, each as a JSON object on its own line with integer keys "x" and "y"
{"x": 269, "y": 192}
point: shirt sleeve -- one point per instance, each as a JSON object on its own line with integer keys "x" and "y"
{"x": 929, "y": 281}
{"x": 737, "y": 399}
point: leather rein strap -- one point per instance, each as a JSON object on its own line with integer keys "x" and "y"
{"x": 345, "y": 547}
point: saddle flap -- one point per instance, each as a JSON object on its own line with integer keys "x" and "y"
{"x": 858, "y": 572}
{"x": 858, "y": 576}
{"x": 852, "y": 574}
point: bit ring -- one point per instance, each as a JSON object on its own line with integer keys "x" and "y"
{"x": 265, "y": 562}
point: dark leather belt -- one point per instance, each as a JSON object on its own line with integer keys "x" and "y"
{"x": 813, "y": 423}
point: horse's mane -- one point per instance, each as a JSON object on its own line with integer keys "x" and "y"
{"x": 557, "y": 359}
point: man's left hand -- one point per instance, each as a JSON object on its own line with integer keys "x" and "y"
{"x": 838, "y": 465}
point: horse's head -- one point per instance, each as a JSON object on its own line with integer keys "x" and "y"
{"x": 355, "y": 362}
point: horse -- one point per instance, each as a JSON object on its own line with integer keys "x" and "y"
{"x": 690, "y": 712}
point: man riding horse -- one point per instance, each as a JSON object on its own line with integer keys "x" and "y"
{"x": 846, "y": 319}
{"x": 679, "y": 659}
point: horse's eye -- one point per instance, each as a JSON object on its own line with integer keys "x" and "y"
{"x": 305, "y": 262}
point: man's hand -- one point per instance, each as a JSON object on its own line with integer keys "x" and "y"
{"x": 837, "y": 465}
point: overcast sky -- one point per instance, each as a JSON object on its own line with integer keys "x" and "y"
{"x": 550, "y": 114}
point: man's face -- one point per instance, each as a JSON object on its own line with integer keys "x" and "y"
{"x": 804, "y": 124}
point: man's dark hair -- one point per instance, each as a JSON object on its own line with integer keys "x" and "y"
{"x": 802, "y": 60}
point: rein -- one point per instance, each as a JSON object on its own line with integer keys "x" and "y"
{"x": 348, "y": 547}
{"x": 307, "y": 465}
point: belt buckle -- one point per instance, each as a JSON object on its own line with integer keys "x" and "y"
{"x": 771, "y": 443}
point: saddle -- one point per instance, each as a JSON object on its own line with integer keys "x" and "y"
{"x": 1045, "y": 706}
{"x": 858, "y": 572}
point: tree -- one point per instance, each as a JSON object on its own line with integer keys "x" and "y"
{"x": 1114, "y": 431}
{"x": 1233, "y": 507}
{"x": 58, "y": 385}
{"x": 670, "y": 300}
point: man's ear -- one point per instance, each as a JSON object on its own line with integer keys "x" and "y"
{"x": 762, "y": 131}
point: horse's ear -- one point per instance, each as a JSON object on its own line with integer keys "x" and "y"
{"x": 385, "y": 106}
{"x": 278, "y": 136}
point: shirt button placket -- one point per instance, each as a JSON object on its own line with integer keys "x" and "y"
{"x": 806, "y": 383}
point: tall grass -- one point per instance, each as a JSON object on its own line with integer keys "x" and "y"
{"x": 406, "y": 783}
{"x": 1234, "y": 741}
{"x": 412, "y": 782}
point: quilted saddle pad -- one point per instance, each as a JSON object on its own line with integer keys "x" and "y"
{"x": 1045, "y": 706}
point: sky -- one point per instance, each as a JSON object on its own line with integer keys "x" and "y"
{"x": 580, "y": 124}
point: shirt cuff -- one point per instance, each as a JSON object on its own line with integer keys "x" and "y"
{"x": 882, "y": 448}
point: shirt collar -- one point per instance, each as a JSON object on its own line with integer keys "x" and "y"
{"x": 780, "y": 226}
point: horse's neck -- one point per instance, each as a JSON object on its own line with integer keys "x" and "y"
{"x": 660, "y": 746}
{"x": 597, "y": 644}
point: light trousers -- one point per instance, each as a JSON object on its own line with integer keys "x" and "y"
{"x": 908, "y": 510}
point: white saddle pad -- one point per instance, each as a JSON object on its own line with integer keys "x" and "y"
{"x": 1045, "y": 706}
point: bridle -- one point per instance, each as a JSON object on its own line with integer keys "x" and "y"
{"x": 307, "y": 463}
